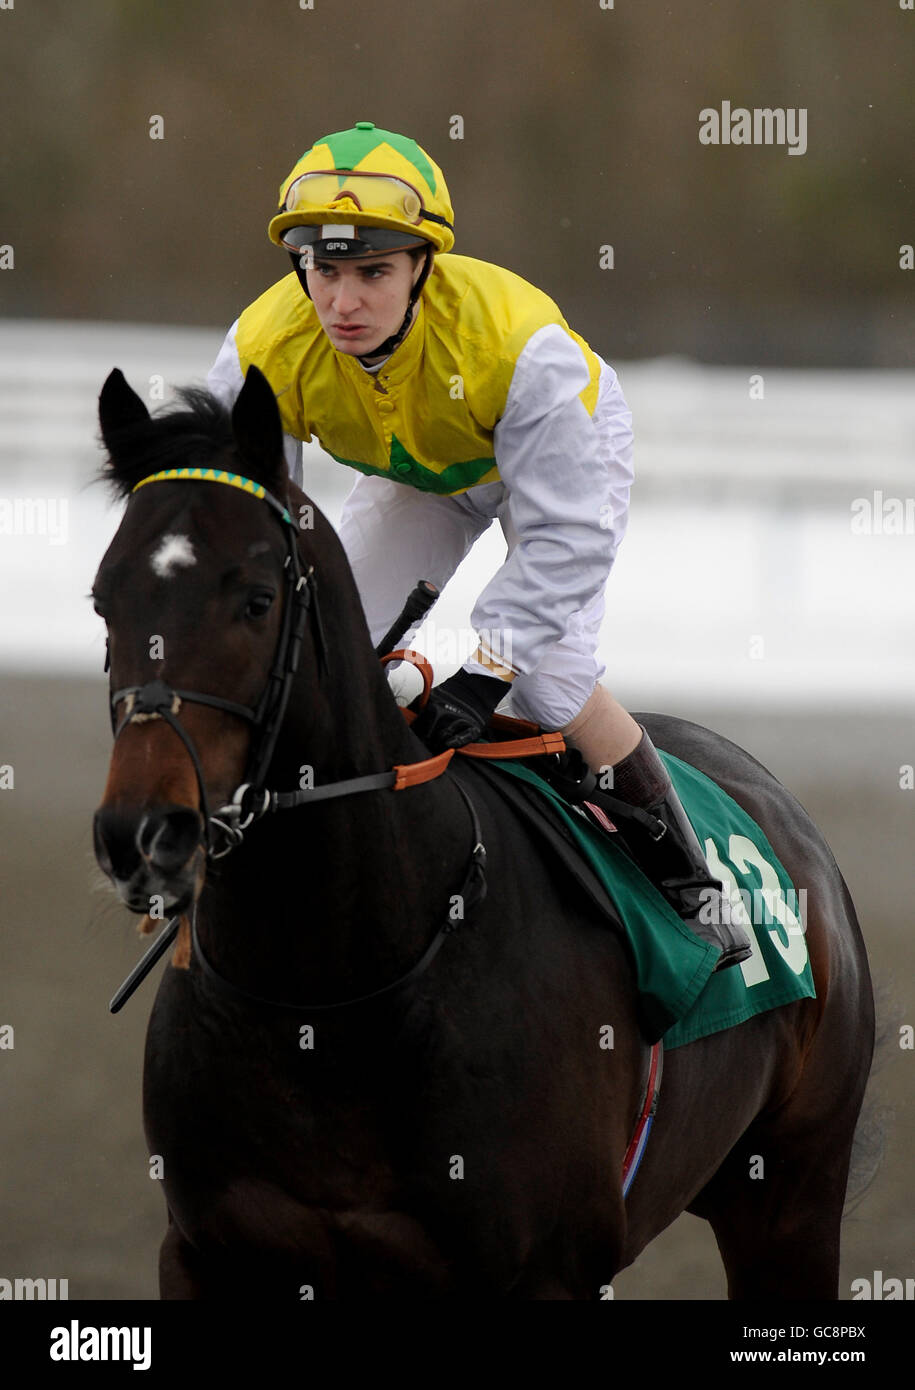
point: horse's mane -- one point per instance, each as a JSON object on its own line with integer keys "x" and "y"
{"x": 174, "y": 437}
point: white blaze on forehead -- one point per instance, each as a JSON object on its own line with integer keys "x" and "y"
{"x": 173, "y": 551}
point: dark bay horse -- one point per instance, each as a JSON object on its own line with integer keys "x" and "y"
{"x": 460, "y": 1135}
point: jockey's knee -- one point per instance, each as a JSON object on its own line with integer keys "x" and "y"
{"x": 602, "y": 730}
{"x": 552, "y": 700}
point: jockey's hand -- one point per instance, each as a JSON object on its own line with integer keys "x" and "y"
{"x": 458, "y": 710}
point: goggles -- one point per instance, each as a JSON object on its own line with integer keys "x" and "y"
{"x": 316, "y": 194}
{"x": 381, "y": 193}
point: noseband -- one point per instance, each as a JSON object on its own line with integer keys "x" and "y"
{"x": 158, "y": 700}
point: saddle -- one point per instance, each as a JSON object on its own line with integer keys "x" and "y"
{"x": 515, "y": 737}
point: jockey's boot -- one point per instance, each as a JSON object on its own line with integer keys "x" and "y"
{"x": 670, "y": 854}
{"x": 655, "y": 831}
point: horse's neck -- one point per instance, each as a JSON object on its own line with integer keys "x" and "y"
{"x": 341, "y": 897}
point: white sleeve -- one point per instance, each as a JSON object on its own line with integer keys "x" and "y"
{"x": 567, "y": 476}
{"x": 292, "y": 450}
{"x": 225, "y": 380}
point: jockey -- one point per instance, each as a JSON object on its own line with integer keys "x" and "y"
{"x": 459, "y": 394}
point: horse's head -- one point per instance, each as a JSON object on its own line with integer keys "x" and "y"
{"x": 207, "y": 601}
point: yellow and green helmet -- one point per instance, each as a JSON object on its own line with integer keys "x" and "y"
{"x": 363, "y": 192}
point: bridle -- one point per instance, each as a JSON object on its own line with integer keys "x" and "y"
{"x": 251, "y": 799}
{"x": 159, "y": 700}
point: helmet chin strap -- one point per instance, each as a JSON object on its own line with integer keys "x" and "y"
{"x": 390, "y": 343}
{"x": 387, "y": 347}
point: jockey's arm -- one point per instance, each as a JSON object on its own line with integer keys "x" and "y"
{"x": 225, "y": 380}
{"x": 567, "y": 476}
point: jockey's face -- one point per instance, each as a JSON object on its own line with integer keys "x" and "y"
{"x": 362, "y": 302}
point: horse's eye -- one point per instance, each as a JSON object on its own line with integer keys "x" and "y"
{"x": 259, "y": 603}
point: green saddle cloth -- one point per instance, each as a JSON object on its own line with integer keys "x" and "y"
{"x": 681, "y": 999}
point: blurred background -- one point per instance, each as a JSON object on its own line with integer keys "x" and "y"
{"x": 759, "y": 311}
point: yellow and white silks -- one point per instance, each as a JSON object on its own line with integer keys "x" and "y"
{"x": 491, "y": 407}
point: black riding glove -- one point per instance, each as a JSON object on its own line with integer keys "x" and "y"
{"x": 458, "y": 710}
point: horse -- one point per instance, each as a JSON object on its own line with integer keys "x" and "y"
{"x": 354, "y": 1086}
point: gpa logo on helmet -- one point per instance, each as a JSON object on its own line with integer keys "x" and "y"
{"x": 337, "y": 245}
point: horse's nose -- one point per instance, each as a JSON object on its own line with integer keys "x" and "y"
{"x": 162, "y": 840}
{"x": 168, "y": 836}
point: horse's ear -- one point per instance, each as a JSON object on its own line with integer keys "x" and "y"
{"x": 259, "y": 431}
{"x": 119, "y": 407}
